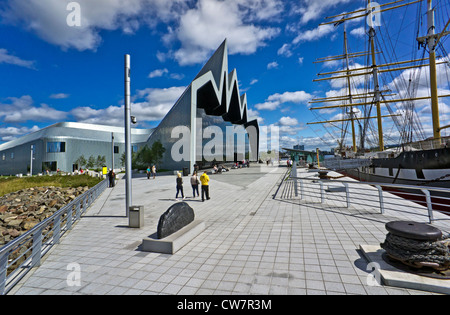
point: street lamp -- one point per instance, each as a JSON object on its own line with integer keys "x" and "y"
{"x": 128, "y": 152}
{"x": 31, "y": 160}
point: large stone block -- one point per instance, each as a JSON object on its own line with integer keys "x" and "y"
{"x": 175, "y": 218}
{"x": 175, "y": 241}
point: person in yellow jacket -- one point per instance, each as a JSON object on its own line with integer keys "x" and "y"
{"x": 204, "y": 179}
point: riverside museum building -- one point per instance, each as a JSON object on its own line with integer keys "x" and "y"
{"x": 207, "y": 125}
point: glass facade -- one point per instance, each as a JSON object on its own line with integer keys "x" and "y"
{"x": 208, "y": 125}
{"x": 56, "y": 147}
{"x": 219, "y": 141}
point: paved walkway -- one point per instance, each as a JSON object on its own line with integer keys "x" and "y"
{"x": 253, "y": 244}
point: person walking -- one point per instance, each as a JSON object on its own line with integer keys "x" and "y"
{"x": 204, "y": 179}
{"x": 112, "y": 178}
{"x": 179, "y": 186}
{"x": 194, "y": 183}
{"x": 148, "y": 172}
{"x": 154, "y": 171}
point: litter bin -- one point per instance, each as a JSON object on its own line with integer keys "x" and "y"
{"x": 136, "y": 217}
{"x": 185, "y": 171}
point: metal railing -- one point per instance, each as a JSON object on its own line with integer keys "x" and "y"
{"x": 430, "y": 203}
{"x": 20, "y": 255}
{"x": 340, "y": 164}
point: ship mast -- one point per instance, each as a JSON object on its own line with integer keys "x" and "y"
{"x": 433, "y": 76}
{"x": 375, "y": 82}
{"x": 350, "y": 98}
{"x": 432, "y": 39}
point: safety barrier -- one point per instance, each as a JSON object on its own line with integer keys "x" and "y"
{"x": 20, "y": 255}
{"x": 429, "y": 203}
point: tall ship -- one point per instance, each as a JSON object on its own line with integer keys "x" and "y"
{"x": 390, "y": 103}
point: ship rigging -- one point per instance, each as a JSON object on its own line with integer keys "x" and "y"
{"x": 358, "y": 104}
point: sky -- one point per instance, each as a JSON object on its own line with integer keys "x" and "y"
{"x": 63, "y": 60}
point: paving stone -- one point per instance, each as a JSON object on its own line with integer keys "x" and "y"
{"x": 253, "y": 243}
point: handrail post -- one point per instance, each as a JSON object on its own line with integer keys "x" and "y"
{"x": 3, "y": 272}
{"x": 84, "y": 205}
{"x": 302, "y": 191}
{"x": 322, "y": 197}
{"x": 380, "y": 194}
{"x": 429, "y": 204}
{"x": 69, "y": 218}
{"x": 347, "y": 194}
{"x": 37, "y": 248}
{"x": 57, "y": 229}
{"x": 294, "y": 175}
{"x": 77, "y": 211}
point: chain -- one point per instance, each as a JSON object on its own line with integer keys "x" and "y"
{"x": 435, "y": 180}
{"x": 418, "y": 253}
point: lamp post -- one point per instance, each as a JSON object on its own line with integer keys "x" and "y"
{"x": 112, "y": 151}
{"x": 31, "y": 161}
{"x": 128, "y": 190}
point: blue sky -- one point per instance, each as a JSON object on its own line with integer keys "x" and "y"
{"x": 54, "y": 72}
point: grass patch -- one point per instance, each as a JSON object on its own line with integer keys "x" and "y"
{"x": 12, "y": 184}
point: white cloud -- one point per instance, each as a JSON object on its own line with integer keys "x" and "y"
{"x": 48, "y": 18}
{"x": 7, "y": 58}
{"x": 261, "y": 10}
{"x": 276, "y": 100}
{"x": 22, "y": 109}
{"x": 196, "y": 28}
{"x": 60, "y": 96}
{"x": 285, "y": 50}
{"x": 288, "y": 121}
{"x": 272, "y": 65}
{"x": 293, "y": 97}
{"x": 267, "y": 105}
{"x": 165, "y": 72}
{"x": 158, "y": 73}
{"x": 287, "y": 128}
{"x": 203, "y": 28}
{"x": 11, "y": 133}
{"x": 176, "y": 76}
{"x": 310, "y": 10}
{"x": 148, "y": 105}
{"x": 314, "y": 34}
{"x": 254, "y": 114}
{"x": 358, "y": 32}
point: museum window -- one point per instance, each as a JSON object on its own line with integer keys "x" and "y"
{"x": 49, "y": 166}
{"x": 116, "y": 149}
{"x": 56, "y": 147}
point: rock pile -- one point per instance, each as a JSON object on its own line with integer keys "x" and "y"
{"x": 22, "y": 210}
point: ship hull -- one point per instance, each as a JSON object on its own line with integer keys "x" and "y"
{"x": 427, "y": 169}
{"x": 362, "y": 175}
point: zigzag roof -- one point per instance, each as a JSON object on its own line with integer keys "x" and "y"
{"x": 217, "y": 91}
